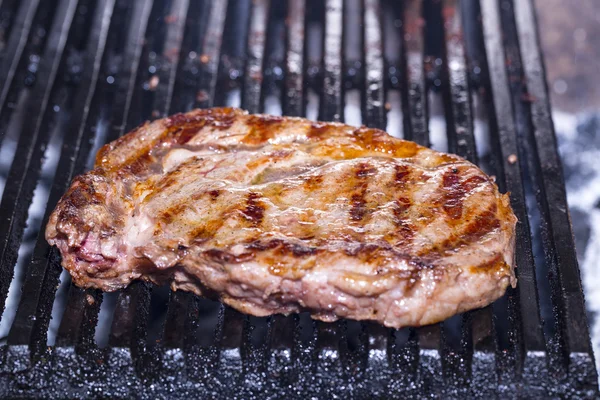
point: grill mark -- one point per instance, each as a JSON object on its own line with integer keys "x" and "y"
{"x": 495, "y": 264}
{"x": 186, "y": 134}
{"x": 481, "y": 224}
{"x": 170, "y": 214}
{"x": 140, "y": 164}
{"x": 254, "y": 211}
{"x": 311, "y": 182}
{"x": 184, "y": 127}
{"x": 82, "y": 195}
{"x": 358, "y": 204}
{"x": 364, "y": 170}
{"x": 214, "y": 194}
{"x": 222, "y": 257}
{"x": 358, "y": 207}
{"x": 478, "y": 226}
{"x": 283, "y": 247}
{"x": 455, "y": 191}
{"x": 402, "y": 172}
{"x": 104, "y": 155}
{"x": 261, "y": 128}
{"x": 405, "y": 232}
{"x": 207, "y": 231}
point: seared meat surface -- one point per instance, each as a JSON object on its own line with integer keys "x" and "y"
{"x": 279, "y": 215}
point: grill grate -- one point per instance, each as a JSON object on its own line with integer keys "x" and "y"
{"x": 91, "y": 70}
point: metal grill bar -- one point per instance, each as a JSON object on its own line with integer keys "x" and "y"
{"x": 414, "y": 88}
{"x": 170, "y": 58}
{"x": 254, "y": 358}
{"x": 332, "y": 96}
{"x": 123, "y": 333}
{"x": 133, "y": 54}
{"x": 457, "y": 362}
{"x": 294, "y": 95}
{"x": 25, "y": 172}
{"x": 461, "y": 140}
{"x": 210, "y": 52}
{"x": 177, "y": 316}
{"x": 132, "y": 304}
{"x": 73, "y": 157}
{"x": 79, "y": 321}
{"x": 293, "y": 104}
{"x": 416, "y": 128}
{"x": 526, "y": 328}
{"x": 252, "y": 95}
{"x": 76, "y": 327}
{"x": 14, "y": 50}
{"x": 331, "y": 108}
{"x": 374, "y": 115}
{"x": 374, "y": 94}
{"x": 552, "y": 183}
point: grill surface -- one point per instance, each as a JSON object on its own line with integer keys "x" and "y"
{"x": 84, "y": 72}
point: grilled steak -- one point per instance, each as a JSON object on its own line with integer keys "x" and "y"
{"x": 278, "y": 215}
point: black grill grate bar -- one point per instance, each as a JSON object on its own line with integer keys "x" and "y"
{"x": 24, "y": 173}
{"x": 79, "y": 319}
{"x": 252, "y": 94}
{"x": 189, "y": 64}
{"x": 175, "y": 323}
{"x": 8, "y": 10}
{"x": 414, "y": 87}
{"x": 74, "y": 159}
{"x": 552, "y": 186}
{"x": 15, "y": 49}
{"x": 331, "y": 108}
{"x": 484, "y": 329}
{"x": 71, "y": 161}
{"x": 231, "y": 329}
{"x": 374, "y": 116}
{"x": 211, "y": 52}
{"x": 132, "y": 55}
{"x": 176, "y": 21}
{"x": 525, "y": 328}
{"x": 293, "y": 102}
{"x": 332, "y": 95}
{"x": 131, "y": 317}
{"x": 461, "y": 140}
{"x": 415, "y": 121}
{"x": 131, "y": 311}
{"x": 254, "y": 357}
{"x": 546, "y": 271}
{"x": 129, "y": 333}
{"x": 374, "y": 113}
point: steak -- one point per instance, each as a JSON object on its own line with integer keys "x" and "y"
{"x": 281, "y": 215}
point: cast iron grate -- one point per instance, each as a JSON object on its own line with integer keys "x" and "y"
{"x": 84, "y": 72}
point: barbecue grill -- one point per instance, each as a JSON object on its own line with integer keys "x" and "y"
{"x": 78, "y": 73}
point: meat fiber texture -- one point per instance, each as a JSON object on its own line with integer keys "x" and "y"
{"x": 281, "y": 215}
